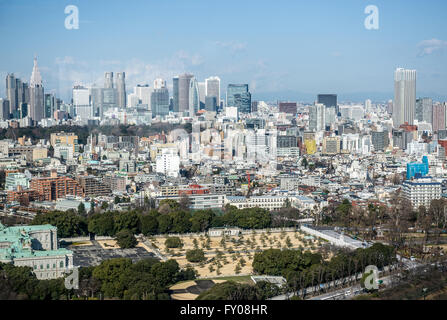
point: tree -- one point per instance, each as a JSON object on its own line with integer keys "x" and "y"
{"x": 181, "y": 221}
{"x": 149, "y": 223}
{"x": 184, "y": 202}
{"x": 104, "y": 205}
{"x": 195, "y": 255}
{"x": 126, "y": 239}
{"x": 81, "y": 209}
{"x": 164, "y": 223}
{"x": 102, "y": 224}
{"x": 174, "y": 242}
{"x": 127, "y": 221}
{"x": 69, "y": 223}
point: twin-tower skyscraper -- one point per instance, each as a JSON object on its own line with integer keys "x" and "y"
{"x": 119, "y": 85}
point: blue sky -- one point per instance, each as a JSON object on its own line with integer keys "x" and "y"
{"x": 285, "y": 49}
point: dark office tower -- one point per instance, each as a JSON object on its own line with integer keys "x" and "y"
{"x": 329, "y": 100}
{"x": 210, "y": 103}
{"x": 121, "y": 89}
{"x": 4, "y": 109}
{"x": 25, "y": 93}
{"x": 160, "y": 102}
{"x": 108, "y": 80}
{"x": 175, "y": 101}
{"x": 288, "y": 107}
{"x": 19, "y": 94}
{"x": 49, "y": 105}
{"x": 424, "y": 110}
{"x": 234, "y": 89}
{"x": 243, "y": 102}
{"x": 23, "y": 110}
{"x": 36, "y": 105}
{"x": 11, "y": 92}
{"x": 184, "y": 82}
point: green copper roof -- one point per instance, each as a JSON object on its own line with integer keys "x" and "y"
{"x": 17, "y": 243}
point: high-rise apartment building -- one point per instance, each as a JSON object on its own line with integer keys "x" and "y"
{"x": 439, "y": 114}
{"x": 404, "y": 97}
{"x": 317, "y": 117}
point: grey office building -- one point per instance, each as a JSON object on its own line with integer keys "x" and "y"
{"x": 108, "y": 80}
{"x": 4, "y": 109}
{"x": 380, "y": 140}
{"x": 184, "y": 82}
{"x": 424, "y": 110}
{"x": 175, "y": 106}
{"x": 160, "y": 102}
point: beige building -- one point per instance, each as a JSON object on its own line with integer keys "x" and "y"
{"x": 64, "y": 138}
{"x": 331, "y": 145}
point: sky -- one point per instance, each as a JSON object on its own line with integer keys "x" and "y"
{"x": 284, "y": 49}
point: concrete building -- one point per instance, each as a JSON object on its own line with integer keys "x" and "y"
{"x": 421, "y": 192}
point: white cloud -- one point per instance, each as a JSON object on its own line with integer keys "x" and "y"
{"x": 427, "y": 47}
{"x": 232, "y": 45}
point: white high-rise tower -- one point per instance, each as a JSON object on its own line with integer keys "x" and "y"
{"x": 36, "y": 107}
{"x": 404, "y": 97}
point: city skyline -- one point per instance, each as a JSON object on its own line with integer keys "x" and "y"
{"x": 285, "y": 56}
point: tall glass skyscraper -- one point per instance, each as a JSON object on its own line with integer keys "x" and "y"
{"x": 160, "y": 102}
{"x": 184, "y": 83}
{"x": 212, "y": 87}
{"x": 404, "y": 97}
{"x": 239, "y": 96}
{"x": 194, "y": 97}
{"x": 36, "y": 106}
{"x": 121, "y": 89}
{"x": 175, "y": 93}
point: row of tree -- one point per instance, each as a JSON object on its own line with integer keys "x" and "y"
{"x": 306, "y": 269}
{"x": 169, "y": 218}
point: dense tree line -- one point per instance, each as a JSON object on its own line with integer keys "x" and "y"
{"x": 19, "y": 283}
{"x": 306, "y": 269}
{"x": 36, "y": 133}
{"x": 147, "y": 279}
{"x": 169, "y": 218}
{"x": 240, "y": 291}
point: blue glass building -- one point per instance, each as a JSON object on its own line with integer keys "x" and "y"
{"x": 417, "y": 170}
